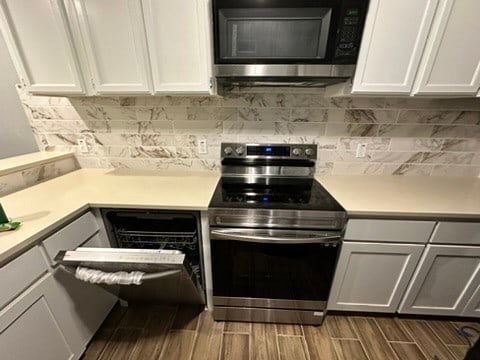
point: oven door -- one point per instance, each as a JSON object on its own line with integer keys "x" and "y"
{"x": 273, "y": 269}
{"x": 168, "y": 277}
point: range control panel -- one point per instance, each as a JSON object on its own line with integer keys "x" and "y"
{"x": 268, "y": 151}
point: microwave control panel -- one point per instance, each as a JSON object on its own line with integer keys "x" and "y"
{"x": 349, "y": 31}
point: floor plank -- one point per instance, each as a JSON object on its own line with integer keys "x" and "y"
{"x": 135, "y": 317}
{"x": 319, "y": 344}
{"x": 349, "y": 349}
{"x": 187, "y": 317}
{"x": 447, "y": 332}
{"x": 289, "y": 329}
{"x": 292, "y": 347}
{"x": 376, "y": 346}
{"x": 179, "y": 345}
{"x": 459, "y": 351}
{"x": 209, "y": 338}
{"x": 98, "y": 343}
{"x": 475, "y": 334}
{"x": 235, "y": 347}
{"x": 154, "y": 335}
{"x": 145, "y": 332}
{"x": 392, "y": 330}
{"x": 121, "y": 344}
{"x": 426, "y": 339}
{"x": 264, "y": 342}
{"x": 340, "y": 327}
{"x": 238, "y": 327}
{"x": 409, "y": 351}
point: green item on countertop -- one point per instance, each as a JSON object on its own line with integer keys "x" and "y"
{"x": 3, "y": 216}
{"x": 9, "y": 226}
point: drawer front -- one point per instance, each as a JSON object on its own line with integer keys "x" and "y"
{"x": 71, "y": 236}
{"x": 20, "y": 273}
{"x": 457, "y": 233}
{"x": 389, "y": 230}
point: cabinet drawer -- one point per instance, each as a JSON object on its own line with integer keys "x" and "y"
{"x": 457, "y": 233}
{"x": 71, "y": 236}
{"x": 389, "y": 230}
{"x": 20, "y": 273}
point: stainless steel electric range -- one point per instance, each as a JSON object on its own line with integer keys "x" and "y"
{"x": 275, "y": 234}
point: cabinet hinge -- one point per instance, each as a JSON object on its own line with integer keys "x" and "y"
{"x": 211, "y": 83}
{"x": 93, "y": 83}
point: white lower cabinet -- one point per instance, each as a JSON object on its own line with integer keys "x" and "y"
{"x": 445, "y": 282}
{"x": 473, "y": 307}
{"x": 372, "y": 276}
{"x": 30, "y": 326}
{"x": 86, "y": 305}
{"x": 45, "y": 313}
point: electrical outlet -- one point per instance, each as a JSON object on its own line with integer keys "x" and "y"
{"x": 82, "y": 144}
{"x": 361, "y": 150}
{"x": 202, "y": 146}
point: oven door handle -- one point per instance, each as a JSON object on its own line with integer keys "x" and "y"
{"x": 229, "y": 235}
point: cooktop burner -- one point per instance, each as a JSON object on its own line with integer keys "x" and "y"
{"x": 301, "y": 194}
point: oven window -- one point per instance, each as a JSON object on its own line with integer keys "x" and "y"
{"x": 274, "y": 33}
{"x": 290, "y": 272}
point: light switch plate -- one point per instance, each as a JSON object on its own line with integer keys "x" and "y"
{"x": 82, "y": 145}
{"x": 361, "y": 150}
{"x": 202, "y": 146}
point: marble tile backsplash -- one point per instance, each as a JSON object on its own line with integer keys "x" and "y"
{"x": 22, "y": 179}
{"x": 403, "y": 136}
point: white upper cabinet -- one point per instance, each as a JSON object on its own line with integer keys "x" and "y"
{"x": 451, "y": 63}
{"x": 179, "y": 45}
{"x": 115, "y": 45}
{"x": 393, "y": 41}
{"x": 40, "y": 43}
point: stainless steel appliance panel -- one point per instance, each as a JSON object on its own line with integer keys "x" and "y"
{"x": 168, "y": 278}
{"x": 289, "y": 316}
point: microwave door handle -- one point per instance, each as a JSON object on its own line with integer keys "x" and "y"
{"x": 220, "y": 235}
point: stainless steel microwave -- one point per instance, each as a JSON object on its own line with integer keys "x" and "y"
{"x": 287, "y": 39}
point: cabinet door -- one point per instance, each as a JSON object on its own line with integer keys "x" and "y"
{"x": 29, "y": 327}
{"x": 392, "y": 45}
{"x": 40, "y": 43}
{"x": 372, "y": 277}
{"x": 451, "y": 63}
{"x": 179, "y": 45}
{"x": 115, "y": 44}
{"x": 444, "y": 281}
{"x": 473, "y": 307}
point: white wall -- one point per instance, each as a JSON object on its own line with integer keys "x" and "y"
{"x": 16, "y": 137}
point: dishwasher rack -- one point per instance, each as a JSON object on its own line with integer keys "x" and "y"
{"x": 152, "y": 229}
{"x": 156, "y": 239}
{"x": 157, "y": 229}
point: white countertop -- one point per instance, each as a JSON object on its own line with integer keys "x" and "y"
{"x": 46, "y": 206}
{"x": 408, "y": 196}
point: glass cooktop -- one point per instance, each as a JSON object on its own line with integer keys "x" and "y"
{"x": 278, "y": 193}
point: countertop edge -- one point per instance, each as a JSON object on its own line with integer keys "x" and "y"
{"x": 38, "y": 158}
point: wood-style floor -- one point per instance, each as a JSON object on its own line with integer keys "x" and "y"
{"x": 185, "y": 333}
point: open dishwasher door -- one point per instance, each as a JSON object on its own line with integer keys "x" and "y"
{"x": 168, "y": 277}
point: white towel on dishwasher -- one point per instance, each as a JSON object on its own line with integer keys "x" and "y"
{"x": 115, "y": 278}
